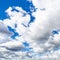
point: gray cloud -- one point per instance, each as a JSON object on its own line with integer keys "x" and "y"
{"x": 4, "y": 29}
{"x": 13, "y": 45}
{"x": 5, "y": 34}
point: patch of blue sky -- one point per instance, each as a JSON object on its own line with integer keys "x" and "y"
{"x": 55, "y": 32}
{"x": 56, "y": 49}
{"x": 32, "y": 19}
{"x": 13, "y": 30}
{"x": 26, "y": 49}
{"x": 26, "y": 44}
{"x": 5, "y": 4}
{"x": 24, "y": 4}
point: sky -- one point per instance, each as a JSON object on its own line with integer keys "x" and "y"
{"x": 29, "y": 30}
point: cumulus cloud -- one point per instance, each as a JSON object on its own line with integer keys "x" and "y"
{"x": 39, "y": 33}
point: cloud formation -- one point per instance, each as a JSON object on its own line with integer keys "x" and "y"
{"x": 39, "y": 33}
{"x": 46, "y": 21}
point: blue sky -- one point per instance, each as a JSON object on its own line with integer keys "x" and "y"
{"x": 5, "y": 4}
